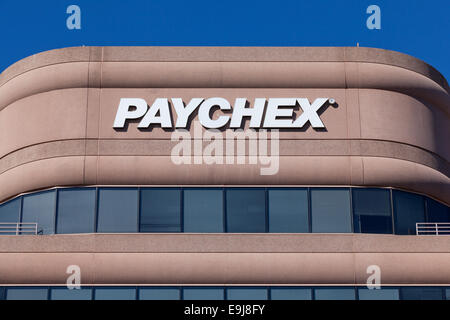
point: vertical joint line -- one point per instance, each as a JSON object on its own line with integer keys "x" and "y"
{"x": 86, "y": 115}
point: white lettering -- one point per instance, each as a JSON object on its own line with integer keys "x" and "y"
{"x": 124, "y": 113}
{"x": 205, "y": 109}
{"x": 160, "y": 105}
{"x": 255, "y": 113}
{"x": 279, "y": 112}
{"x": 310, "y": 113}
{"x": 273, "y": 112}
{"x": 183, "y": 113}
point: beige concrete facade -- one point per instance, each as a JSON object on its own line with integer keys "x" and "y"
{"x": 390, "y": 128}
{"x": 225, "y": 259}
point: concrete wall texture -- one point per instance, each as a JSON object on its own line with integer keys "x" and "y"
{"x": 390, "y": 129}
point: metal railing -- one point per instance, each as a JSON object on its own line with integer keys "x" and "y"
{"x": 21, "y": 228}
{"x": 431, "y": 228}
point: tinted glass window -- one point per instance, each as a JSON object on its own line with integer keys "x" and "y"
{"x": 437, "y": 212}
{"x": 372, "y": 211}
{"x": 40, "y": 208}
{"x": 447, "y": 294}
{"x": 160, "y": 210}
{"x": 159, "y": 294}
{"x": 2, "y": 293}
{"x": 290, "y": 294}
{"x": 421, "y": 293}
{"x": 378, "y": 294}
{"x": 331, "y": 210}
{"x": 26, "y": 294}
{"x": 115, "y": 294}
{"x": 76, "y": 211}
{"x": 203, "y": 210}
{"x": 203, "y": 294}
{"x": 247, "y": 294}
{"x": 9, "y": 213}
{"x": 117, "y": 210}
{"x": 246, "y": 210}
{"x": 334, "y": 294}
{"x": 288, "y": 210}
{"x": 409, "y": 209}
{"x": 71, "y": 294}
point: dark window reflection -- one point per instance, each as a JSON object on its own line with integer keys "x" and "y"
{"x": 235, "y": 210}
{"x": 330, "y": 210}
{"x": 246, "y": 210}
{"x": 117, "y": 210}
{"x": 203, "y": 294}
{"x": 40, "y": 208}
{"x": 372, "y": 211}
{"x": 27, "y": 294}
{"x": 220, "y": 293}
{"x": 409, "y": 209}
{"x": 288, "y": 210}
{"x": 290, "y": 294}
{"x": 378, "y": 294}
{"x": 203, "y": 210}
{"x": 9, "y": 213}
{"x": 76, "y": 211}
{"x": 247, "y": 294}
{"x": 159, "y": 294}
{"x": 160, "y": 210}
{"x": 335, "y": 294}
{"x": 421, "y": 293}
{"x": 115, "y": 294}
{"x": 71, "y": 294}
{"x": 437, "y": 212}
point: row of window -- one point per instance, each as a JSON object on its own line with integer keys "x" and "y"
{"x": 237, "y": 210}
{"x": 224, "y": 293}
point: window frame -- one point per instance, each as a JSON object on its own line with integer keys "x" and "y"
{"x": 181, "y": 204}
{"x": 351, "y": 213}
{"x": 224, "y": 205}
{"x": 308, "y": 207}
{"x": 266, "y": 213}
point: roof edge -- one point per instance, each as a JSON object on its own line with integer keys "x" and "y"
{"x": 223, "y": 54}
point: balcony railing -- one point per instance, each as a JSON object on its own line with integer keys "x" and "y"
{"x": 21, "y": 228}
{"x": 435, "y": 229}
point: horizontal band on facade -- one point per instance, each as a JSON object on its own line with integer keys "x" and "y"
{"x": 212, "y": 285}
{"x": 223, "y": 243}
{"x": 335, "y": 170}
{"x": 282, "y": 75}
{"x": 226, "y": 268}
{"x": 163, "y": 147}
{"x": 222, "y": 54}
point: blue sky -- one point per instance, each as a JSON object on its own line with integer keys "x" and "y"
{"x": 416, "y": 27}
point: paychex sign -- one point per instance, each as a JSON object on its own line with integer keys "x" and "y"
{"x": 271, "y": 113}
